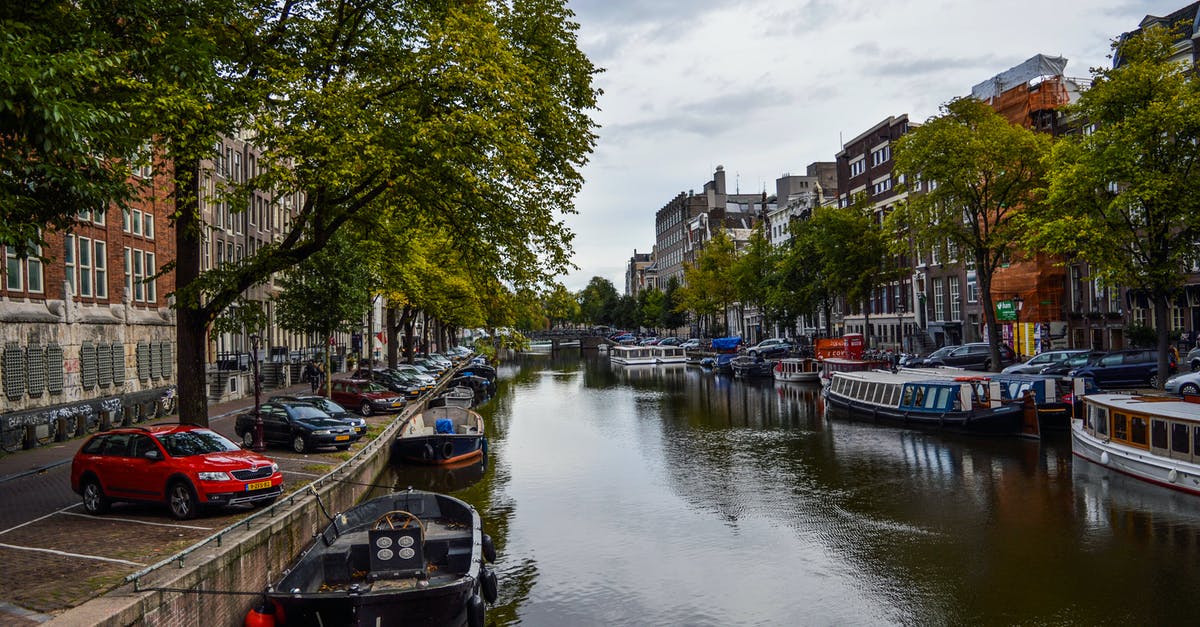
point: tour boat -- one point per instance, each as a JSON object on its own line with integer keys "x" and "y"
{"x": 456, "y": 396}
{"x": 632, "y": 355}
{"x": 1052, "y": 396}
{"x": 668, "y": 354}
{"x": 540, "y": 346}
{"x": 801, "y": 369}
{"x": 440, "y": 435}
{"x": 1153, "y": 438}
{"x": 408, "y": 558}
{"x": 934, "y": 402}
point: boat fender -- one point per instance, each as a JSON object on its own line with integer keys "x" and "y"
{"x": 447, "y": 450}
{"x": 475, "y": 611}
{"x": 1104, "y": 458}
{"x": 489, "y": 548}
{"x": 489, "y": 584}
{"x": 428, "y": 451}
{"x": 261, "y": 615}
{"x": 1173, "y": 475}
{"x": 485, "y": 446}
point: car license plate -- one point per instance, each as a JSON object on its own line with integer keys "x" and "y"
{"x": 397, "y": 404}
{"x": 258, "y": 485}
{"x": 341, "y": 437}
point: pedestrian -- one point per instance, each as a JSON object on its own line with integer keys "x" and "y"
{"x": 310, "y": 375}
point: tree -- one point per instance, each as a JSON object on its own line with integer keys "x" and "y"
{"x": 751, "y": 274}
{"x": 804, "y": 285}
{"x": 1124, "y": 197}
{"x": 598, "y": 302}
{"x": 470, "y": 117}
{"x": 708, "y": 288}
{"x": 560, "y": 305}
{"x": 649, "y": 308}
{"x": 854, "y": 250}
{"x": 981, "y": 172}
{"x": 671, "y": 317}
{"x": 325, "y": 293}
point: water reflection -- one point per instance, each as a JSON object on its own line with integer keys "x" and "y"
{"x": 670, "y": 495}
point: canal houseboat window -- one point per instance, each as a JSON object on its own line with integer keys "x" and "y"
{"x": 1179, "y": 438}
{"x": 907, "y": 397}
{"x": 1158, "y": 434}
{"x": 1119, "y": 426}
{"x": 1137, "y": 430}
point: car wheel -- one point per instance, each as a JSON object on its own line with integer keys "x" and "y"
{"x": 1154, "y": 381}
{"x": 1189, "y": 388}
{"x": 1195, "y": 365}
{"x": 248, "y": 439}
{"x": 94, "y": 501}
{"x": 365, "y": 408}
{"x": 754, "y": 353}
{"x": 299, "y": 444}
{"x": 182, "y": 501}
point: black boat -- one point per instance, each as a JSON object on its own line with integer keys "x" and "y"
{"x": 746, "y": 366}
{"x": 440, "y": 435}
{"x": 408, "y": 558}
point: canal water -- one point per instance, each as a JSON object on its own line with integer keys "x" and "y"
{"x": 672, "y": 496}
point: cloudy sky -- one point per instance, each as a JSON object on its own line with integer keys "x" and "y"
{"x": 765, "y": 87}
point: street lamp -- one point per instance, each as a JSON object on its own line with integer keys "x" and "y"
{"x": 258, "y": 423}
{"x": 1017, "y": 301}
{"x": 900, "y": 328}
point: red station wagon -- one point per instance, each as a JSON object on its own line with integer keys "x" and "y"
{"x": 185, "y": 466}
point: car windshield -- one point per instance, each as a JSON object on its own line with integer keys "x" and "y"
{"x": 195, "y": 442}
{"x": 326, "y": 405}
{"x": 372, "y": 387}
{"x": 308, "y": 412}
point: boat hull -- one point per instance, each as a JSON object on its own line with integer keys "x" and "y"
{"x": 1134, "y": 462}
{"x": 417, "y": 608}
{"x": 1003, "y": 420}
{"x": 438, "y": 449}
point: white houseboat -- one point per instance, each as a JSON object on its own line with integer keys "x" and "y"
{"x": 669, "y": 355}
{"x": 800, "y": 369}
{"x": 1152, "y": 438}
{"x": 632, "y": 355}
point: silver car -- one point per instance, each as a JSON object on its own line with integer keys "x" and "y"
{"x": 1186, "y": 383}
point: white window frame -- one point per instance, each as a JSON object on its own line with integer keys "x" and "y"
{"x": 69, "y": 263}
{"x": 939, "y": 299}
{"x": 100, "y": 268}
{"x": 83, "y": 258}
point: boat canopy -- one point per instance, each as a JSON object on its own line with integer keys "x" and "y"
{"x": 726, "y": 343}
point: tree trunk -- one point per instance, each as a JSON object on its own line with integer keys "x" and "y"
{"x": 393, "y": 332}
{"x": 191, "y": 318}
{"x": 989, "y": 312}
{"x": 409, "y": 320}
{"x": 1163, "y": 329}
{"x": 867, "y": 324}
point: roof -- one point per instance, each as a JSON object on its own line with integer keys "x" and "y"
{"x": 1165, "y": 406}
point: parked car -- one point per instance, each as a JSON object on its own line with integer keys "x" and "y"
{"x": 691, "y": 344}
{"x": 1042, "y": 360}
{"x": 935, "y": 358}
{"x": 973, "y": 356}
{"x": 391, "y": 380}
{"x": 1193, "y": 359}
{"x": 367, "y": 397}
{"x": 300, "y": 426}
{"x": 421, "y": 374}
{"x": 670, "y": 341}
{"x": 648, "y": 341}
{"x": 770, "y": 347}
{"x": 335, "y": 411}
{"x": 1183, "y": 383}
{"x": 1130, "y": 367}
{"x": 1063, "y": 368}
{"x": 183, "y": 466}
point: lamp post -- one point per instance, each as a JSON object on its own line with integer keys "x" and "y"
{"x": 258, "y": 423}
{"x": 1017, "y": 301}
{"x": 900, "y": 329}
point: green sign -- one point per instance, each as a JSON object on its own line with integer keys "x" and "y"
{"x": 1005, "y": 311}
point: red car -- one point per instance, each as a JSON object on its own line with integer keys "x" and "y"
{"x": 185, "y": 466}
{"x": 367, "y": 397}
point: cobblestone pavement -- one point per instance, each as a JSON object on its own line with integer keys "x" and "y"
{"x": 56, "y": 557}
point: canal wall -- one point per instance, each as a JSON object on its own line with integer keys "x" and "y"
{"x": 215, "y": 583}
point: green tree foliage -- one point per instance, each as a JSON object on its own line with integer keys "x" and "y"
{"x": 598, "y": 302}
{"x": 981, "y": 172}
{"x": 330, "y": 291}
{"x": 672, "y": 316}
{"x": 752, "y": 272}
{"x": 1124, "y": 198}
{"x": 804, "y": 285}
{"x": 855, "y": 250}
{"x": 650, "y": 302}
{"x": 708, "y": 291}
{"x": 560, "y": 305}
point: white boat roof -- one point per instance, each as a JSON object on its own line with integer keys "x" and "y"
{"x": 1165, "y": 406}
{"x": 882, "y": 376}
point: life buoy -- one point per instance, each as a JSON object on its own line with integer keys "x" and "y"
{"x": 447, "y": 450}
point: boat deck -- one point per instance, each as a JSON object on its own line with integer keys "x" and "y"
{"x": 346, "y": 562}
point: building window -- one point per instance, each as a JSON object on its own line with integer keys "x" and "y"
{"x": 939, "y": 299}
{"x": 881, "y": 156}
{"x": 24, "y": 274}
{"x": 84, "y": 256}
{"x": 858, "y": 166}
{"x": 139, "y": 276}
{"x": 95, "y": 216}
{"x": 69, "y": 262}
{"x": 101, "y": 268}
{"x": 955, "y": 300}
{"x": 972, "y": 287}
{"x": 883, "y": 186}
{"x": 1176, "y": 318}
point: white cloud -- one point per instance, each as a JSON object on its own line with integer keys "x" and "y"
{"x": 766, "y": 87}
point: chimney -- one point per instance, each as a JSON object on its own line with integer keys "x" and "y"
{"x": 719, "y": 180}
